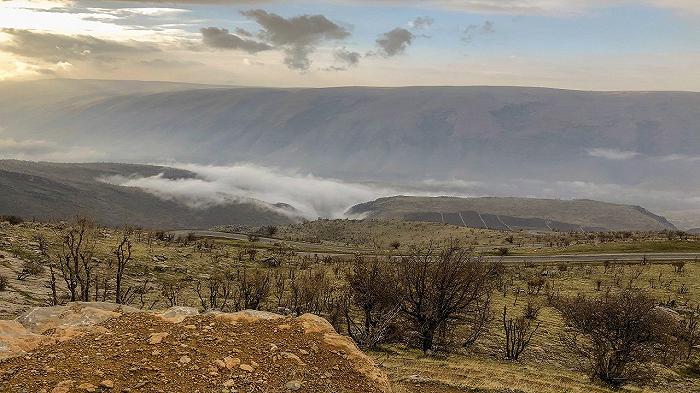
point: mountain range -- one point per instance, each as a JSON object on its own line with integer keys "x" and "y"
{"x": 623, "y": 147}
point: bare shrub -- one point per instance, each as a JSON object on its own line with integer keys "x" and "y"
{"x": 12, "y": 220}
{"x": 444, "y": 288}
{"x": 3, "y": 283}
{"x": 535, "y": 285}
{"x": 252, "y": 288}
{"x": 375, "y": 303}
{"x": 619, "y": 334}
{"x": 215, "y": 292}
{"x": 678, "y": 266}
{"x": 518, "y": 334}
{"x": 171, "y": 290}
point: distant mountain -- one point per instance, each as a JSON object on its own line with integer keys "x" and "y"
{"x": 59, "y": 191}
{"x": 625, "y": 147}
{"x": 514, "y": 213}
{"x": 364, "y": 132}
{"x": 694, "y": 231}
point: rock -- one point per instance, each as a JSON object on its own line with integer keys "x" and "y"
{"x": 178, "y": 314}
{"x": 293, "y": 385}
{"x": 230, "y": 363}
{"x": 107, "y": 383}
{"x": 63, "y": 387}
{"x": 88, "y": 387}
{"x": 184, "y": 359}
{"x": 157, "y": 338}
{"x": 230, "y": 383}
{"x": 246, "y": 367}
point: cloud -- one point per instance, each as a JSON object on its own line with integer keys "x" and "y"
{"x": 169, "y": 63}
{"x": 58, "y": 47}
{"x": 344, "y": 59}
{"x": 394, "y": 42}
{"x": 612, "y": 154}
{"x": 297, "y": 36}
{"x": 311, "y": 196}
{"x": 215, "y": 37}
{"x": 422, "y": 22}
{"x": 472, "y": 31}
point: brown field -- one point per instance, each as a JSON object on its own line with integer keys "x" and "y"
{"x": 546, "y": 366}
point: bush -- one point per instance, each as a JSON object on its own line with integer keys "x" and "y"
{"x": 619, "y": 335}
{"x": 13, "y": 220}
{"x": 3, "y": 283}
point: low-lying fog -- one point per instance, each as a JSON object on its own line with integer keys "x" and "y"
{"x": 313, "y": 196}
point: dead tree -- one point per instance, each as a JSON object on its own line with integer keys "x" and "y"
{"x": 618, "y": 335}
{"x": 123, "y": 256}
{"x": 376, "y": 302}
{"x": 442, "y": 288}
{"x": 518, "y": 334}
{"x": 76, "y": 259}
{"x": 51, "y": 284}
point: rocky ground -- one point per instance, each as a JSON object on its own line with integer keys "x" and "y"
{"x": 98, "y": 347}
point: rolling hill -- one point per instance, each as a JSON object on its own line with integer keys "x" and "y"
{"x": 514, "y": 213}
{"x": 58, "y": 191}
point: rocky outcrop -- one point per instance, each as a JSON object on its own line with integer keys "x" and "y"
{"x": 105, "y": 347}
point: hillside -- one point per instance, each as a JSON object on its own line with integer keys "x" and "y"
{"x": 59, "y": 191}
{"x": 179, "y": 351}
{"x": 514, "y": 213}
{"x": 452, "y": 129}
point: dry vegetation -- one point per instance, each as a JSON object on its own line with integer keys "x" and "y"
{"x": 438, "y": 318}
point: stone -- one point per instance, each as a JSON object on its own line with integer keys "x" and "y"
{"x": 293, "y": 385}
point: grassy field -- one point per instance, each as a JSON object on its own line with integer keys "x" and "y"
{"x": 545, "y": 367}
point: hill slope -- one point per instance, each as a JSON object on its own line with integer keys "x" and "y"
{"x": 454, "y": 130}
{"x": 180, "y": 351}
{"x": 514, "y": 213}
{"x": 59, "y": 191}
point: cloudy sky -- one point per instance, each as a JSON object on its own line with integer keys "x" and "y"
{"x": 594, "y": 44}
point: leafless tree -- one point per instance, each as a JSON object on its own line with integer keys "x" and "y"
{"x": 123, "y": 256}
{"x": 442, "y": 288}
{"x": 75, "y": 260}
{"x": 376, "y": 302}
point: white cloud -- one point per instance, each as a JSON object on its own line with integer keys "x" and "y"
{"x": 612, "y": 154}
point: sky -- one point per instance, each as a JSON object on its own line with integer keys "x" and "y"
{"x": 587, "y": 45}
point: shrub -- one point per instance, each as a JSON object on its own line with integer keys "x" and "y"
{"x": 13, "y": 220}
{"x": 518, "y": 334}
{"x": 3, "y": 283}
{"x": 618, "y": 334}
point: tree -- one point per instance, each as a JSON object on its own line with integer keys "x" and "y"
{"x": 123, "y": 255}
{"x": 376, "y": 302}
{"x": 76, "y": 260}
{"x": 443, "y": 288}
{"x": 618, "y": 334}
